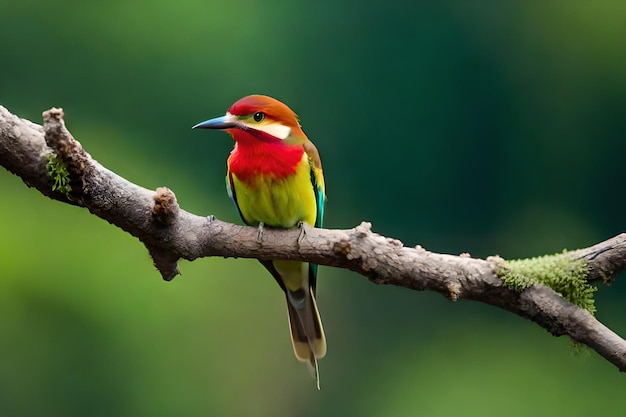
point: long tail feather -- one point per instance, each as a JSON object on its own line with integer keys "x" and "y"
{"x": 297, "y": 279}
{"x": 307, "y": 333}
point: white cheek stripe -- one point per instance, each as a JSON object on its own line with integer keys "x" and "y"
{"x": 276, "y": 129}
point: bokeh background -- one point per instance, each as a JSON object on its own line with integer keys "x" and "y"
{"x": 481, "y": 127}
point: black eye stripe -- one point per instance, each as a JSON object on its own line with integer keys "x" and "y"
{"x": 258, "y": 116}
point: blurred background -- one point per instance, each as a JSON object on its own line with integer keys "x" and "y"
{"x": 489, "y": 128}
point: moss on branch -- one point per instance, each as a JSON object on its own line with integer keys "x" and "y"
{"x": 566, "y": 276}
{"x": 57, "y": 170}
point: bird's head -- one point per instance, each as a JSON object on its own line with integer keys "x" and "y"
{"x": 261, "y": 117}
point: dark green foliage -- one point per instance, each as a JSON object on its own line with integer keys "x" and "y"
{"x": 481, "y": 127}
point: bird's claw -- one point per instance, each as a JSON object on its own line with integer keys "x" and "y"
{"x": 260, "y": 232}
{"x": 301, "y": 226}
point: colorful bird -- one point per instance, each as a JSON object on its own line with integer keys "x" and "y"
{"x": 275, "y": 179}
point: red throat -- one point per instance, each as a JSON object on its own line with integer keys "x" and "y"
{"x": 254, "y": 157}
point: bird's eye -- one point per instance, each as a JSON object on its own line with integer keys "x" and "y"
{"x": 258, "y": 116}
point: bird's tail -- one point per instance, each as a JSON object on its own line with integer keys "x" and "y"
{"x": 307, "y": 333}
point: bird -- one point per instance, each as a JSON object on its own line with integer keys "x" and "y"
{"x": 275, "y": 179}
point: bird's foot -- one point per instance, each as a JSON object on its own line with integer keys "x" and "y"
{"x": 260, "y": 231}
{"x": 302, "y": 227}
{"x": 210, "y": 217}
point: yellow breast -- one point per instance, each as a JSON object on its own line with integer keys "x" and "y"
{"x": 276, "y": 202}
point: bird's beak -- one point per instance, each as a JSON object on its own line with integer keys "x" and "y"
{"x": 225, "y": 122}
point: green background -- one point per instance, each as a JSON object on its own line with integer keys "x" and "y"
{"x": 481, "y": 127}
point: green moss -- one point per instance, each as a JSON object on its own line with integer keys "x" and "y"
{"x": 566, "y": 276}
{"x": 58, "y": 172}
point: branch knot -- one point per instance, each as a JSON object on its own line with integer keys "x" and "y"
{"x": 165, "y": 206}
{"x": 66, "y": 148}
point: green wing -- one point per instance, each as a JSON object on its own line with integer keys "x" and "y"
{"x": 317, "y": 180}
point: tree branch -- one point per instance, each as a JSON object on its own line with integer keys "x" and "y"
{"x": 170, "y": 233}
